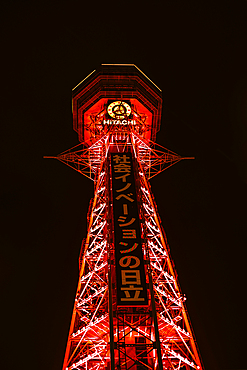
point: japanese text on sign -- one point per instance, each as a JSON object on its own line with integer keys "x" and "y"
{"x": 131, "y": 281}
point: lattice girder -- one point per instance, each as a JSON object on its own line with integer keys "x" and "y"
{"x": 129, "y": 311}
{"x": 153, "y": 157}
{"x": 88, "y": 343}
{"x": 175, "y": 333}
{"x": 135, "y": 340}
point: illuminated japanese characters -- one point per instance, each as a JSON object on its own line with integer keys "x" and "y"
{"x": 131, "y": 280}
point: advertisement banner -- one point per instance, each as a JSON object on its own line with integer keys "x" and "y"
{"x": 131, "y": 280}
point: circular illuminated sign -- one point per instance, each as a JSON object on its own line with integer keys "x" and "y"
{"x": 119, "y": 109}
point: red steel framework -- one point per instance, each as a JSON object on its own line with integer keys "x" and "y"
{"x": 117, "y": 112}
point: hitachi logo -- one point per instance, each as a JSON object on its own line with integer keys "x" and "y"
{"x": 119, "y": 122}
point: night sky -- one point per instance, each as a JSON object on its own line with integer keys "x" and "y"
{"x": 195, "y": 51}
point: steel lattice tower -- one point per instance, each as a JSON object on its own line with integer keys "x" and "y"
{"x": 129, "y": 311}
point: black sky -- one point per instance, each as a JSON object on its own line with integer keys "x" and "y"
{"x": 195, "y": 51}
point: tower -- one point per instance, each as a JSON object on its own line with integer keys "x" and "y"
{"x": 129, "y": 311}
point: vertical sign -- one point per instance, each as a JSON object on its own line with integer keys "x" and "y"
{"x": 131, "y": 280}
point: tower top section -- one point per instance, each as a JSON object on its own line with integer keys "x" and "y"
{"x": 116, "y": 97}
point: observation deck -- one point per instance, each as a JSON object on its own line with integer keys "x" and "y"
{"x": 116, "y": 97}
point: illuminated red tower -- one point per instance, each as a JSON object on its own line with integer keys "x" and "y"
{"x": 129, "y": 312}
